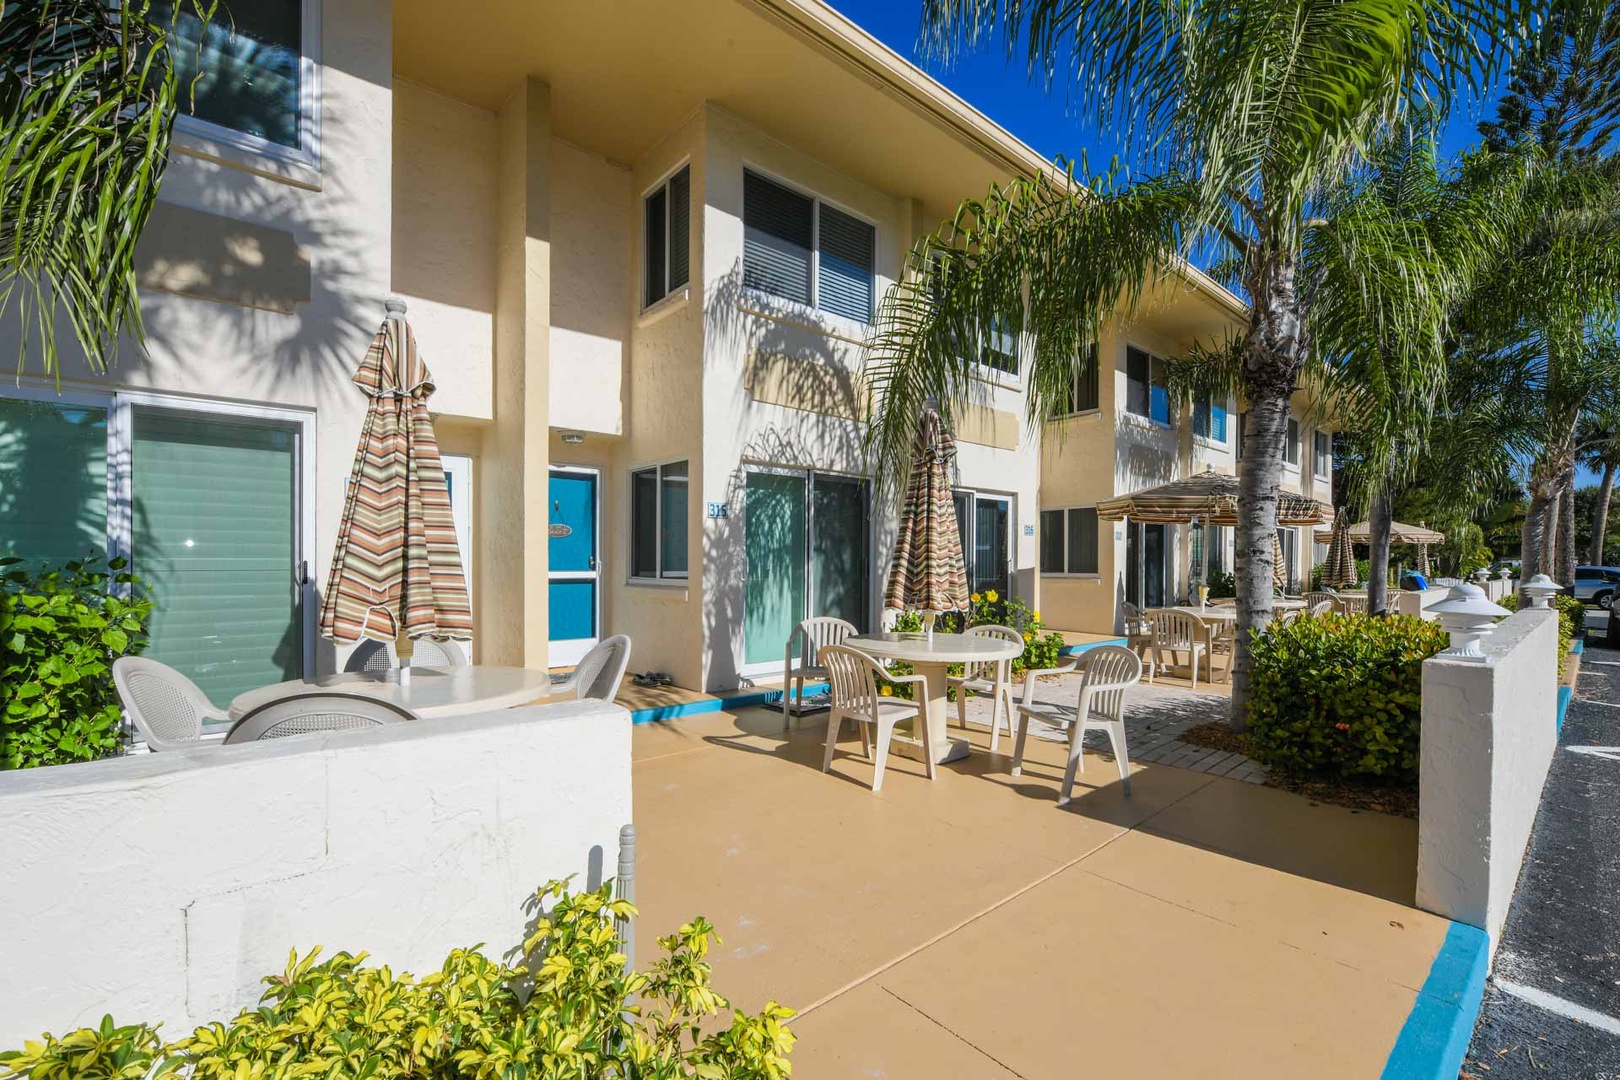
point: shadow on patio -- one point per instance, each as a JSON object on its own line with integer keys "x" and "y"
{"x": 1200, "y": 926}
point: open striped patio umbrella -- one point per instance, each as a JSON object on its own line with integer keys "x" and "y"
{"x": 928, "y": 574}
{"x": 396, "y": 568}
{"x": 1339, "y": 570}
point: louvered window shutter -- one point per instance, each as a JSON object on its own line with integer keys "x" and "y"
{"x": 778, "y": 228}
{"x": 845, "y": 273}
{"x": 680, "y": 228}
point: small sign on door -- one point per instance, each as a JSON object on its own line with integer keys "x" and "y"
{"x": 559, "y": 530}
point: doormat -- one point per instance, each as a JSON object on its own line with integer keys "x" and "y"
{"x": 809, "y": 705}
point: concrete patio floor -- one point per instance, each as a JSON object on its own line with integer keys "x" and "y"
{"x": 970, "y": 927}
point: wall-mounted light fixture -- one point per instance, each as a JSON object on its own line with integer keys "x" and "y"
{"x": 573, "y": 438}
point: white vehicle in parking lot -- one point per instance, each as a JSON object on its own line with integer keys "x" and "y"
{"x": 1597, "y": 584}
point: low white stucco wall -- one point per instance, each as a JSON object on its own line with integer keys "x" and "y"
{"x": 1489, "y": 733}
{"x": 1418, "y": 602}
{"x": 164, "y": 887}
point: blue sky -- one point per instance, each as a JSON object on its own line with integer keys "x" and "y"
{"x": 1004, "y": 93}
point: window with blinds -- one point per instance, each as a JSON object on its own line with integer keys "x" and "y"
{"x": 53, "y": 481}
{"x": 1083, "y": 390}
{"x": 667, "y": 214}
{"x": 800, "y": 249}
{"x": 1209, "y": 419}
{"x": 1069, "y": 541}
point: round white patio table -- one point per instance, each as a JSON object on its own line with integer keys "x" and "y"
{"x": 929, "y": 657}
{"x": 430, "y": 692}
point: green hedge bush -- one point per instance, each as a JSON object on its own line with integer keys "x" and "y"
{"x": 60, "y": 631}
{"x": 572, "y": 1008}
{"x": 1341, "y": 695}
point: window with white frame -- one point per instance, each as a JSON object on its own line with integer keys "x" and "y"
{"x": 1069, "y": 540}
{"x": 666, "y": 236}
{"x": 1083, "y": 389}
{"x": 1324, "y": 454}
{"x": 204, "y": 501}
{"x": 1291, "y": 444}
{"x": 997, "y": 346}
{"x": 1209, "y": 419}
{"x": 249, "y": 71}
{"x": 801, "y": 249}
{"x": 658, "y": 520}
{"x": 1147, "y": 393}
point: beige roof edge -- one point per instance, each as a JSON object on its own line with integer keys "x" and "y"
{"x": 886, "y": 69}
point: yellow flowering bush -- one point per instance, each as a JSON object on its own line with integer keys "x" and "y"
{"x": 572, "y": 1008}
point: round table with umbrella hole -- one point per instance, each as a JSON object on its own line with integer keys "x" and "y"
{"x": 929, "y": 656}
{"x": 430, "y": 692}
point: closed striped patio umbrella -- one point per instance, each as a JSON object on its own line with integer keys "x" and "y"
{"x": 1339, "y": 571}
{"x": 928, "y": 573}
{"x": 396, "y": 569}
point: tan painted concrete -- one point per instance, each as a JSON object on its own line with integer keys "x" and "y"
{"x": 969, "y": 927}
{"x": 212, "y": 257}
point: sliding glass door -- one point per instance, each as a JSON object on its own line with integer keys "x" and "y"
{"x": 984, "y": 523}
{"x": 807, "y": 540}
{"x": 205, "y": 503}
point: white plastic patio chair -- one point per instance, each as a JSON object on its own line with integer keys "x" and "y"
{"x": 167, "y": 708}
{"x": 1109, "y": 671}
{"x": 1138, "y": 632}
{"x": 1321, "y": 607}
{"x": 1351, "y": 605}
{"x": 379, "y": 656}
{"x": 810, "y": 637}
{"x": 993, "y": 677}
{"x": 1176, "y": 632}
{"x": 310, "y": 714}
{"x": 1321, "y": 596}
{"x": 1222, "y": 637}
{"x": 853, "y": 677}
{"x": 599, "y": 672}
{"x": 371, "y": 655}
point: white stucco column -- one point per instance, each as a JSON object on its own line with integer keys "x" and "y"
{"x": 512, "y": 611}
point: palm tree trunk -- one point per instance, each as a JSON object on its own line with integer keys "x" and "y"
{"x": 1535, "y": 536}
{"x": 1263, "y": 436}
{"x": 1600, "y": 515}
{"x": 1380, "y": 514}
{"x": 1566, "y": 530}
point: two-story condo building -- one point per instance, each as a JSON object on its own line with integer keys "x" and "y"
{"x": 641, "y": 245}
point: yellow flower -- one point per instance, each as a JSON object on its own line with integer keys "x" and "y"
{"x": 1028, "y": 636}
{"x": 1035, "y": 615}
{"x": 887, "y": 691}
{"x": 974, "y": 598}
{"x": 991, "y": 596}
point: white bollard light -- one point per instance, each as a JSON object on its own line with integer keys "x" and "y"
{"x": 1541, "y": 589}
{"x": 1480, "y": 576}
{"x": 1469, "y": 617}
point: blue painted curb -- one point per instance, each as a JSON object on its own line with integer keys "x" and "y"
{"x": 1577, "y": 647}
{"x": 1565, "y": 694}
{"x": 1076, "y": 650}
{"x": 709, "y": 705}
{"x": 1434, "y": 1040}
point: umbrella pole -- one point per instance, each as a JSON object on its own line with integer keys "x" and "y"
{"x": 928, "y": 618}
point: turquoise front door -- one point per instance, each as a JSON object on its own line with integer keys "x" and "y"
{"x": 574, "y": 576}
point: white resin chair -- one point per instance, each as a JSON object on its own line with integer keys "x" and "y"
{"x": 1138, "y": 632}
{"x": 805, "y": 644}
{"x": 992, "y": 677}
{"x": 1108, "y": 670}
{"x": 853, "y": 677}
{"x": 1351, "y": 605}
{"x": 1222, "y": 637}
{"x": 309, "y": 714}
{"x": 1312, "y": 599}
{"x": 1321, "y": 607}
{"x": 1177, "y": 632}
{"x": 379, "y": 656}
{"x": 599, "y": 672}
{"x": 167, "y": 708}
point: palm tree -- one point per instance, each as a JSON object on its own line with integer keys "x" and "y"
{"x": 1600, "y": 451}
{"x": 1251, "y": 110}
{"x": 87, "y": 103}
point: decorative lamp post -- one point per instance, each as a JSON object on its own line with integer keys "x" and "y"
{"x": 1469, "y": 617}
{"x": 1480, "y": 576}
{"x": 1541, "y": 589}
{"x": 1505, "y": 572}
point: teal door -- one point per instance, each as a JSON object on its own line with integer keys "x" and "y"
{"x": 774, "y": 541}
{"x": 574, "y": 564}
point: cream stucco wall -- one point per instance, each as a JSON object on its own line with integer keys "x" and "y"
{"x": 338, "y": 219}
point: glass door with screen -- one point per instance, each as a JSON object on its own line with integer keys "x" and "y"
{"x": 774, "y": 544}
{"x": 984, "y": 523}
{"x": 840, "y": 566}
{"x": 214, "y": 535}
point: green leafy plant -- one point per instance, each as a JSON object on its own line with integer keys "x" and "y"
{"x": 1042, "y": 648}
{"x": 60, "y": 631}
{"x": 1223, "y": 585}
{"x": 1341, "y": 695}
{"x": 571, "y": 1008}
